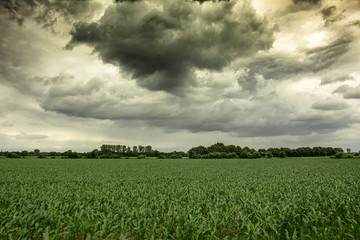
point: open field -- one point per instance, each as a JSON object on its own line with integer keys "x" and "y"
{"x": 181, "y": 199}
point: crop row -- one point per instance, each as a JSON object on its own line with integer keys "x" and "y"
{"x": 180, "y": 199}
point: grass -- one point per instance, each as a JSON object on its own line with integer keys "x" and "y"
{"x": 291, "y": 198}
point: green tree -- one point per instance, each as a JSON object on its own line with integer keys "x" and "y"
{"x": 24, "y": 153}
{"x": 36, "y": 152}
{"x": 12, "y": 155}
{"x": 94, "y": 153}
{"x": 135, "y": 149}
{"x": 282, "y": 154}
{"x": 262, "y": 152}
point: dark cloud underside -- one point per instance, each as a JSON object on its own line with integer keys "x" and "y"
{"x": 282, "y": 67}
{"x": 307, "y": 1}
{"x": 330, "y": 105}
{"x": 161, "y": 43}
{"x": 349, "y": 92}
{"x": 46, "y": 12}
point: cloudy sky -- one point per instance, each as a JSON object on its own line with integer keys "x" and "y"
{"x": 181, "y": 73}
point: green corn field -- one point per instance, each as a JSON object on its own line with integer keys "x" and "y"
{"x": 291, "y": 198}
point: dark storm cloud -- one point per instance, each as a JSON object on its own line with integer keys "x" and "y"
{"x": 349, "y": 92}
{"x": 45, "y": 11}
{"x": 329, "y": 105}
{"x": 301, "y": 5}
{"x": 307, "y": 1}
{"x": 283, "y": 67}
{"x": 161, "y": 42}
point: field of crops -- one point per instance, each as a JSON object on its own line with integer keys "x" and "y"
{"x": 180, "y": 199}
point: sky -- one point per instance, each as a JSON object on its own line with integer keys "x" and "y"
{"x": 178, "y": 74}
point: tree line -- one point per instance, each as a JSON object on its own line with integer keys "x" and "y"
{"x": 220, "y": 150}
{"x": 215, "y": 151}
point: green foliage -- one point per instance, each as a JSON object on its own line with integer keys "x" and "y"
{"x": 246, "y": 152}
{"x": 304, "y": 198}
{"x": 269, "y": 154}
{"x": 282, "y": 154}
{"x": 255, "y": 154}
{"x": 339, "y": 155}
{"x": 141, "y": 157}
{"x": 36, "y": 152}
{"x": 12, "y": 155}
{"x": 71, "y": 154}
{"x": 41, "y": 156}
{"x": 24, "y": 153}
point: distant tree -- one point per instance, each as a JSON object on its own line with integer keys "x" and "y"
{"x": 230, "y": 149}
{"x": 232, "y": 155}
{"x": 238, "y": 150}
{"x": 339, "y": 150}
{"x": 36, "y": 152}
{"x": 244, "y": 154}
{"x": 135, "y": 149}
{"x": 339, "y": 155}
{"x": 52, "y": 154}
{"x": 348, "y": 150}
{"x": 269, "y": 154}
{"x": 262, "y": 152}
{"x": 330, "y": 151}
{"x": 200, "y": 150}
{"x": 255, "y": 154}
{"x": 218, "y": 147}
{"x": 12, "y": 155}
{"x": 123, "y": 148}
{"x": 155, "y": 153}
{"x": 71, "y": 154}
{"x": 118, "y": 148}
{"x": 41, "y": 155}
{"x": 24, "y": 153}
{"x": 282, "y": 154}
{"x": 94, "y": 153}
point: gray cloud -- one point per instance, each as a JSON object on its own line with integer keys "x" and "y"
{"x": 7, "y": 123}
{"x": 282, "y": 67}
{"x": 245, "y": 118}
{"x": 356, "y": 23}
{"x": 162, "y": 46}
{"x": 307, "y": 1}
{"x": 349, "y": 92}
{"x": 328, "y": 11}
{"x": 329, "y": 105}
{"x": 301, "y": 5}
{"x": 46, "y": 12}
{"x": 336, "y": 77}
{"x": 330, "y": 15}
{"x": 25, "y": 136}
